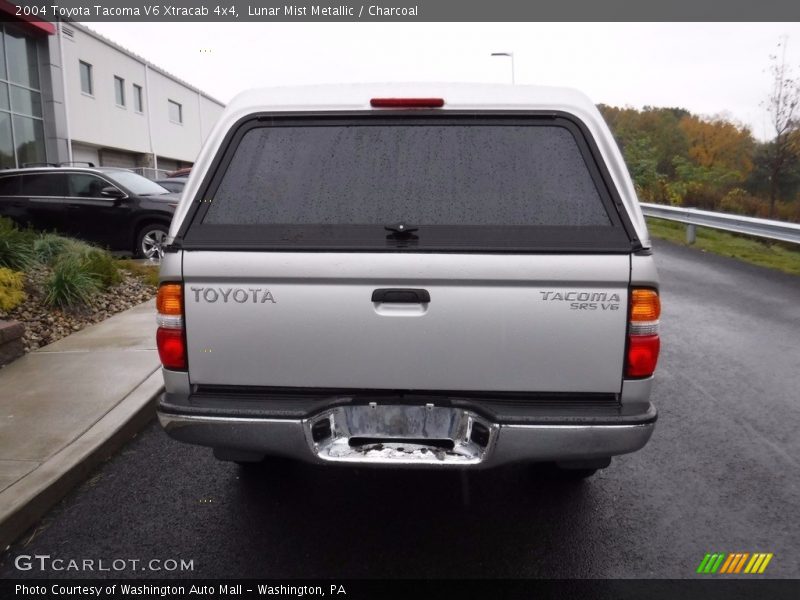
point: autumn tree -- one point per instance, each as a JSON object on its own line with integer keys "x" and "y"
{"x": 650, "y": 141}
{"x": 760, "y": 180}
{"x": 719, "y": 144}
{"x": 669, "y": 141}
{"x": 782, "y": 106}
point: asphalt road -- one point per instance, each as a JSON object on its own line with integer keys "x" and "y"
{"x": 721, "y": 474}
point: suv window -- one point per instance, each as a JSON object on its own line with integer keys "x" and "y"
{"x": 86, "y": 186}
{"x": 44, "y": 184}
{"x": 136, "y": 184}
{"x": 10, "y": 186}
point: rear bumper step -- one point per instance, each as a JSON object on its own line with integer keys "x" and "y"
{"x": 410, "y": 435}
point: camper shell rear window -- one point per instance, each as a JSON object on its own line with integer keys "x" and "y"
{"x": 410, "y": 182}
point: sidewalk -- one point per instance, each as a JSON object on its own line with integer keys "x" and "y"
{"x": 66, "y": 407}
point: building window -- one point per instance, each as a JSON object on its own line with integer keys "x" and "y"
{"x": 22, "y": 58}
{"x": 25, "y": 102}
{"x": 29, "y": 140}
{"x": 21, "y": 125}
{"x": 175, "y": 112}
{"x": 7, "y": 154}
{"x": 119, "y": 90}
{"x": 138, "y": 106}
{"x": 87, "y": 86}
{"x": 2, "y": 55}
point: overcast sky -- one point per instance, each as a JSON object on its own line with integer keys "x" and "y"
{"x": 708, "y": 68}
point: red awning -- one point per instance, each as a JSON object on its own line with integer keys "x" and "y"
{"x": 32, "y": 23}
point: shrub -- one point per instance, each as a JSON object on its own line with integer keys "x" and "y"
{"x": 16, "y": 246}
{"x": 11, "y": 289}
{"x": 103, "y": 267}
{"x": 788, "y": 211}
{"x": 99, "y": 264}
{"x": 70, "y": 285}
{"x": 49, "y": 247}
{"x": 700, "y": 195}
{"x": 147, "y": 273}
{"x": 77, "y": 249}
{"x": 739, "y": 202}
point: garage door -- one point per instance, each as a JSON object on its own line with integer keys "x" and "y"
{"x": 167, "y": 164}
{"x": 85, "y": 154}
{"x": 115, "y": 158}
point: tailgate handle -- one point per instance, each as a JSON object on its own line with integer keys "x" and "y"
{"x": 401, "y": 296}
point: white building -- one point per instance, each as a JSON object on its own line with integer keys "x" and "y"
{"x": 123, "y": 111}
{"x": 81, "y": 97}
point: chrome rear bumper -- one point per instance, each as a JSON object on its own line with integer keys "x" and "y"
{"x": 408, "y": 435}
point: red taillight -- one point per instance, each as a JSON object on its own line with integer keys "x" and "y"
{"x": 642, "y": 355}
{"x": 643, "y": 340}
{"x": 169, "y": 336}
{"x": 171, "y": 348}
{"x": 407, "y": 102}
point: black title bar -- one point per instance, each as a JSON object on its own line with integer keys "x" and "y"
{"x": 705, "y": 588}
{"x": 402, "y": 10}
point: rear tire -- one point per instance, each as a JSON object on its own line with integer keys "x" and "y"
{"x": 238, "y": 456}
{"x": 249, "y": 465}
{"x": 574, "y": 474}
{"x": 579, "y": 470}
{"x": 150, "y": 241}
{"x": 252, "y": 462}
{"x": 274, "y": 466}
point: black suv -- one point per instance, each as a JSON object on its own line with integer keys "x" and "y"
{"x": 110, "y": 207}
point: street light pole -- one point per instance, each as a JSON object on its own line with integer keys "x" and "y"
{"x": 511, "y": 56}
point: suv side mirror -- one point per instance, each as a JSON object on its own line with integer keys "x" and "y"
{"x": 112, "y": 192}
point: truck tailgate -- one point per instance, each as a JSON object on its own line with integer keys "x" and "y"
{"x": 523, "y": 322}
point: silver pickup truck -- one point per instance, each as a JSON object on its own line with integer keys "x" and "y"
{"x": 439, "y": 275}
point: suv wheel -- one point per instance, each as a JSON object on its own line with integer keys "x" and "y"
{"x": 150, "y": 241}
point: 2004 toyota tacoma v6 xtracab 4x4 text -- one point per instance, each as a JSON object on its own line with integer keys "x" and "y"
{"x": 441, "y": 275}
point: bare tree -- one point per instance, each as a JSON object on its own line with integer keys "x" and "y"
{"x": 782, "y": 105}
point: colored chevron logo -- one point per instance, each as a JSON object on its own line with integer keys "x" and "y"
{"x": 736, "y": 563}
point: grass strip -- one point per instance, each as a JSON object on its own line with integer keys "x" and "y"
{"x": 774, "y": 255}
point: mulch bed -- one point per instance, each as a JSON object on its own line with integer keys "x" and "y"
{"x": 45, "y": 325}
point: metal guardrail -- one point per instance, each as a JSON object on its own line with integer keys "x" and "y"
{"x": 693, "y": 218}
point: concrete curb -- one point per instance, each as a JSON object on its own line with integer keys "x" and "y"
{"x": 25, "y": 502}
